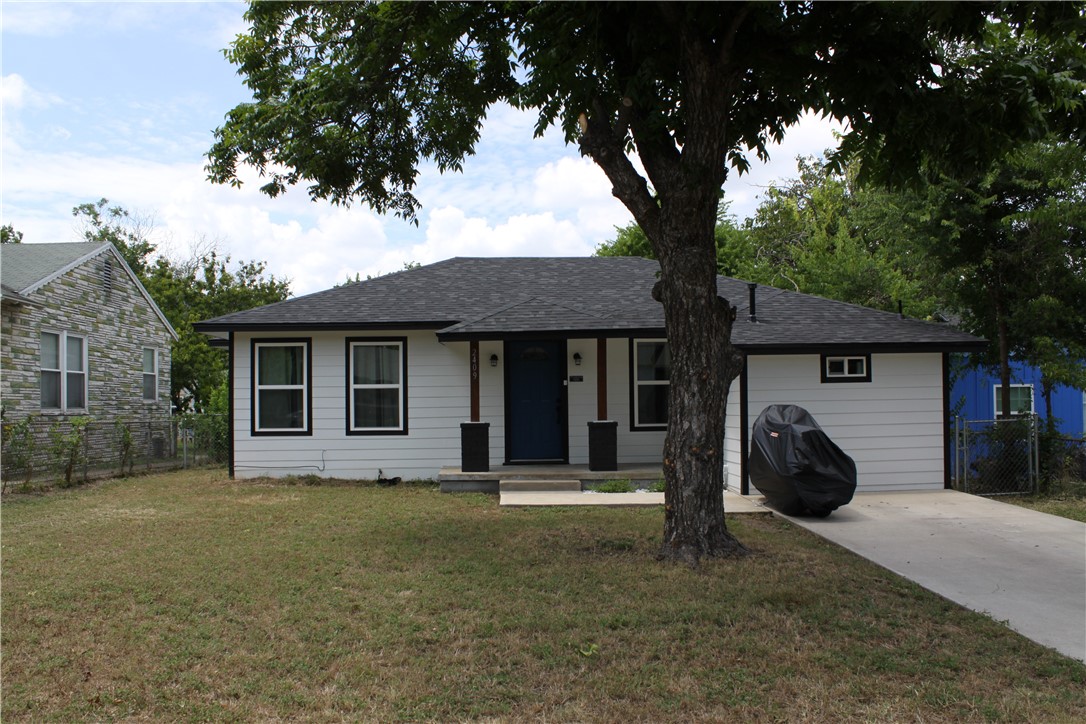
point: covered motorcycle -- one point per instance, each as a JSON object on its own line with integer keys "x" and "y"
{"x": 796, "y": 466}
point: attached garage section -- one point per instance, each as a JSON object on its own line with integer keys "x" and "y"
{"x": 884, "y": 410}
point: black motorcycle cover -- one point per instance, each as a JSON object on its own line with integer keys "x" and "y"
{"x": 796, "y": 466}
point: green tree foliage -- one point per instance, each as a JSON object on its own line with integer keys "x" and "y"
{"x": 8, "y": 235}
{"x": 187, "y": 291}
{"x": 204, "y": 287}
{"x": 351, "y": 99}
{"x": 1009, "y": 245}
{"x": 824, "y": 233}
{"x": 131, "y": 234}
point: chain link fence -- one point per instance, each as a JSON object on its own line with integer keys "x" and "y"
{"x": 996, "y": 457}
{"x": 41, "y": 449}
{"x": 1063, "y": 464}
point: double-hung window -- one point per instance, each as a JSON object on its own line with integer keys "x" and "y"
{"x": 281, "y": 387}
{"x": 650, "y": 375}
{"x": 377, "y": 386}
{"x": 1021, "y": 400}
{"x": 150, "y": 374}
{"x": 63, "y": 372}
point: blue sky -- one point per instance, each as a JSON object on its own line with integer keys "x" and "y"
{"x": 119, "y": 100}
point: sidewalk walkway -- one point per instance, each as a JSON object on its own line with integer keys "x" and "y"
{"x": 733, "y": 502}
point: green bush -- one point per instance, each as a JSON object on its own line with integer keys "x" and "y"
{"x": 69, "y": 448}
{"x": 18, "y": 446}
{"x": 615, "y": 486}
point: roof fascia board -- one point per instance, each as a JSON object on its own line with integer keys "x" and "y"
{"x": 854, "y": 348}
{"x": 66, "y": 268}
{"x": 612, "y": 333}
{"x": 215, "y": 327}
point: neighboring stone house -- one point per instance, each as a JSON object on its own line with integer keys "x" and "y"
{"x": 81, "y": 336}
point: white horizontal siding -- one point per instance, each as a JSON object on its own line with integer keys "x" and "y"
{"x": 733, "y": 449}
{"x": 438, "y": 401}
{"x": 892, "y": 426}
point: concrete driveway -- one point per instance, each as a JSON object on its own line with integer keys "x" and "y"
{"x": 1016, "y": 565}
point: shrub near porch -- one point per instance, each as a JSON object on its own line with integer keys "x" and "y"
{"x": 192, "y": 596}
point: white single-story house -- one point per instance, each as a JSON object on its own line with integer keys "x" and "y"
{"x": 493, "y": 362}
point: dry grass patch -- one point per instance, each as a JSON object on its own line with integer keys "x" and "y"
{"x": 189, "y": 596}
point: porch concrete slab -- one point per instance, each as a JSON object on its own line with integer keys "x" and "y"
{"x": 1018, "y": 566}
{"x": 733, "y": 502}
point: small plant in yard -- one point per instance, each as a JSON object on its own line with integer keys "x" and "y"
{"x": 658, "y": 486}
{"x": 69, "y": 447}
{"x": 615, "y": 486}
{"x": 125, "y": 445}
{"x": 18, "y": 447}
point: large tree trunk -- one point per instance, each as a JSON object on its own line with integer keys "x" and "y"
{"x": 679, "y": 218}
{"x": 703, "y": 365}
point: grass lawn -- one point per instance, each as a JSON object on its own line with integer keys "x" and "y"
{"x": 1066, "y": 499}
{"x": 188, "y": 596}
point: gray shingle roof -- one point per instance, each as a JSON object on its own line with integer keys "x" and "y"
{"x": 494, "y": 298}
{"x": 24, "y": 267}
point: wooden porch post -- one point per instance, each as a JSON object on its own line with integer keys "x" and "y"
{"x": 601, "y": 379}
{"x": 474, "y": 435}
{"x": 474, "y": 381}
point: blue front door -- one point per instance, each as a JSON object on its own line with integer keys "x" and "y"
{"x": 535, "y": 393}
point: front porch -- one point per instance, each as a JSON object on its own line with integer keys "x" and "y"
{"x": 454, "y": 480}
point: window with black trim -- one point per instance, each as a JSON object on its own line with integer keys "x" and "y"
{"x": 282, "y": 384}
{"x": 377, "y": 386}
{"x": 846, "y": 368}
{"x": 63, "y": 372}
{"x": 1021, "y": 400}
{"x": 650, "y": 383}
{"x": 150, "y": 374}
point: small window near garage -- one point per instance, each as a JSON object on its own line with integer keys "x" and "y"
{"x": 1021, "y": 400}
{"x": 281, "y": 387}
{"x": 377, "y": 386}
{"x": 846, "y": 368}
{"x": 150, "y": 374}
{"x": 650, "y": 377}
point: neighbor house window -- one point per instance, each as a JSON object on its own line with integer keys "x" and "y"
{"x": 63, "y": 372}
{"x": 650, "y": 374}
{"x": 1021, "y": 400}
{"x": 846, "y": 368}
{"x": 376, "y": 386}
{"x": 281, "y": 387}
{"x": 150, "y": 374}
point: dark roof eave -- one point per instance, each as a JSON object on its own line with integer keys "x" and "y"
{"x": 315, "y": 326}
{"x": 609, "y": 333}
{"x": 863, "y": 347}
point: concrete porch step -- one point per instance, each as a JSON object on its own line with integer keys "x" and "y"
{"x": 538, "y": 485}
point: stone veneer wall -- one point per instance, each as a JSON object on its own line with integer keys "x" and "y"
{"x": 108, "y": 310}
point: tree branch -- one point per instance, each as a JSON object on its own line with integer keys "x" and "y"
{"x": 607, "y": 148}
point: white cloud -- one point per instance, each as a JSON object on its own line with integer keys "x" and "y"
{"x": 810, "y": 137}
{"x": 44, "y": 20}
{"x": 16, "y": 94}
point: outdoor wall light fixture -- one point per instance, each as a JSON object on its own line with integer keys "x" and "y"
{"x": 577, "y": 358}
{"x": 493, "y": 360}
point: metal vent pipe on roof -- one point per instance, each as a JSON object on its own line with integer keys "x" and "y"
{"x": 753, "y": 311}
